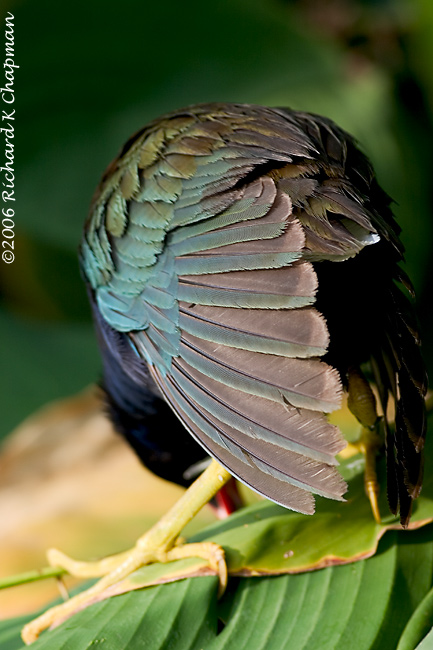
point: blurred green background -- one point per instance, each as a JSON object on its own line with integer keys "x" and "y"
{"x": 92, "y": 73}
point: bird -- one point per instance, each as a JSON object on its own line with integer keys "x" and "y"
{"x": 243, "y": 269}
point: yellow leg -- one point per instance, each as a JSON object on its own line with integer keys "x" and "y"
{"x": 157, "y": 545}
{"x": 362, "y": 403}
{"x": 370, "y": 443}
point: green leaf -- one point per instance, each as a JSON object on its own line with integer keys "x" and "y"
{"x": 10, "y": 633}
{"x": 365, "y": 605}
{"x": 182, "y": 614}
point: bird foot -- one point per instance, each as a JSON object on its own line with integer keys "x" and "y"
{"x": 114, "y": 569}
{"x": 209, "y": 551}
{"x": 159, "y": 544}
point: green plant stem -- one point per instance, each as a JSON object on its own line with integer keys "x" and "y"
{"x": 31, "y": 576}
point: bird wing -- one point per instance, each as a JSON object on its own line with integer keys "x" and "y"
{"x": 200, "y": 246}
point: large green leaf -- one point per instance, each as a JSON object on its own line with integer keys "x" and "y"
{"x": 365, "y": 605}
{"x": 181, "y": 615}
{"x": 359, "y": 606}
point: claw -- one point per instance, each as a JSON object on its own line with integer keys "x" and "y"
{"x": 372, "y": 491}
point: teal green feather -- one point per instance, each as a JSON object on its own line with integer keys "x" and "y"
{"x": 166, "y": 342}
{"x": 125, "y": 286}
{"x": 223, "y": 263}
{"x": 99, "y": 253}
{"x": 144, "y": 234}
{"x": 127, "y": 270}
{"x": 160, "y": 188}
{"x": 102, "y": 246}
{"x": 206, "y": 208}
{"x": 224, "y": 237}
{"x": 137, "y": 253}
{"x": 152, "y": 353}
{"x": 217, "y": 169}
{"x": 152, "y": 214}
{"x": 241, "y": 211}
{"x": 164, "y": 319}
{"x": 189, "y": 197}
{"x": 235, "y": 337}
{"x": 95, "y": 274}
{"x": 158, "y": 297}
{"x": 122, "y": 313}
{"x": 222, "y": 297}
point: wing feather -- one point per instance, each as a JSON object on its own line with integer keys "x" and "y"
{"x": 247, "y": 381}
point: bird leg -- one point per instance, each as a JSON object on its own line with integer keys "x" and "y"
{"x": 228, "y": 500}
{"x": 362, "y": 403}
{"x": 157, "y": 545}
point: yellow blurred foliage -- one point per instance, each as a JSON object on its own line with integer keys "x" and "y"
{"x": 67, "y": 480}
